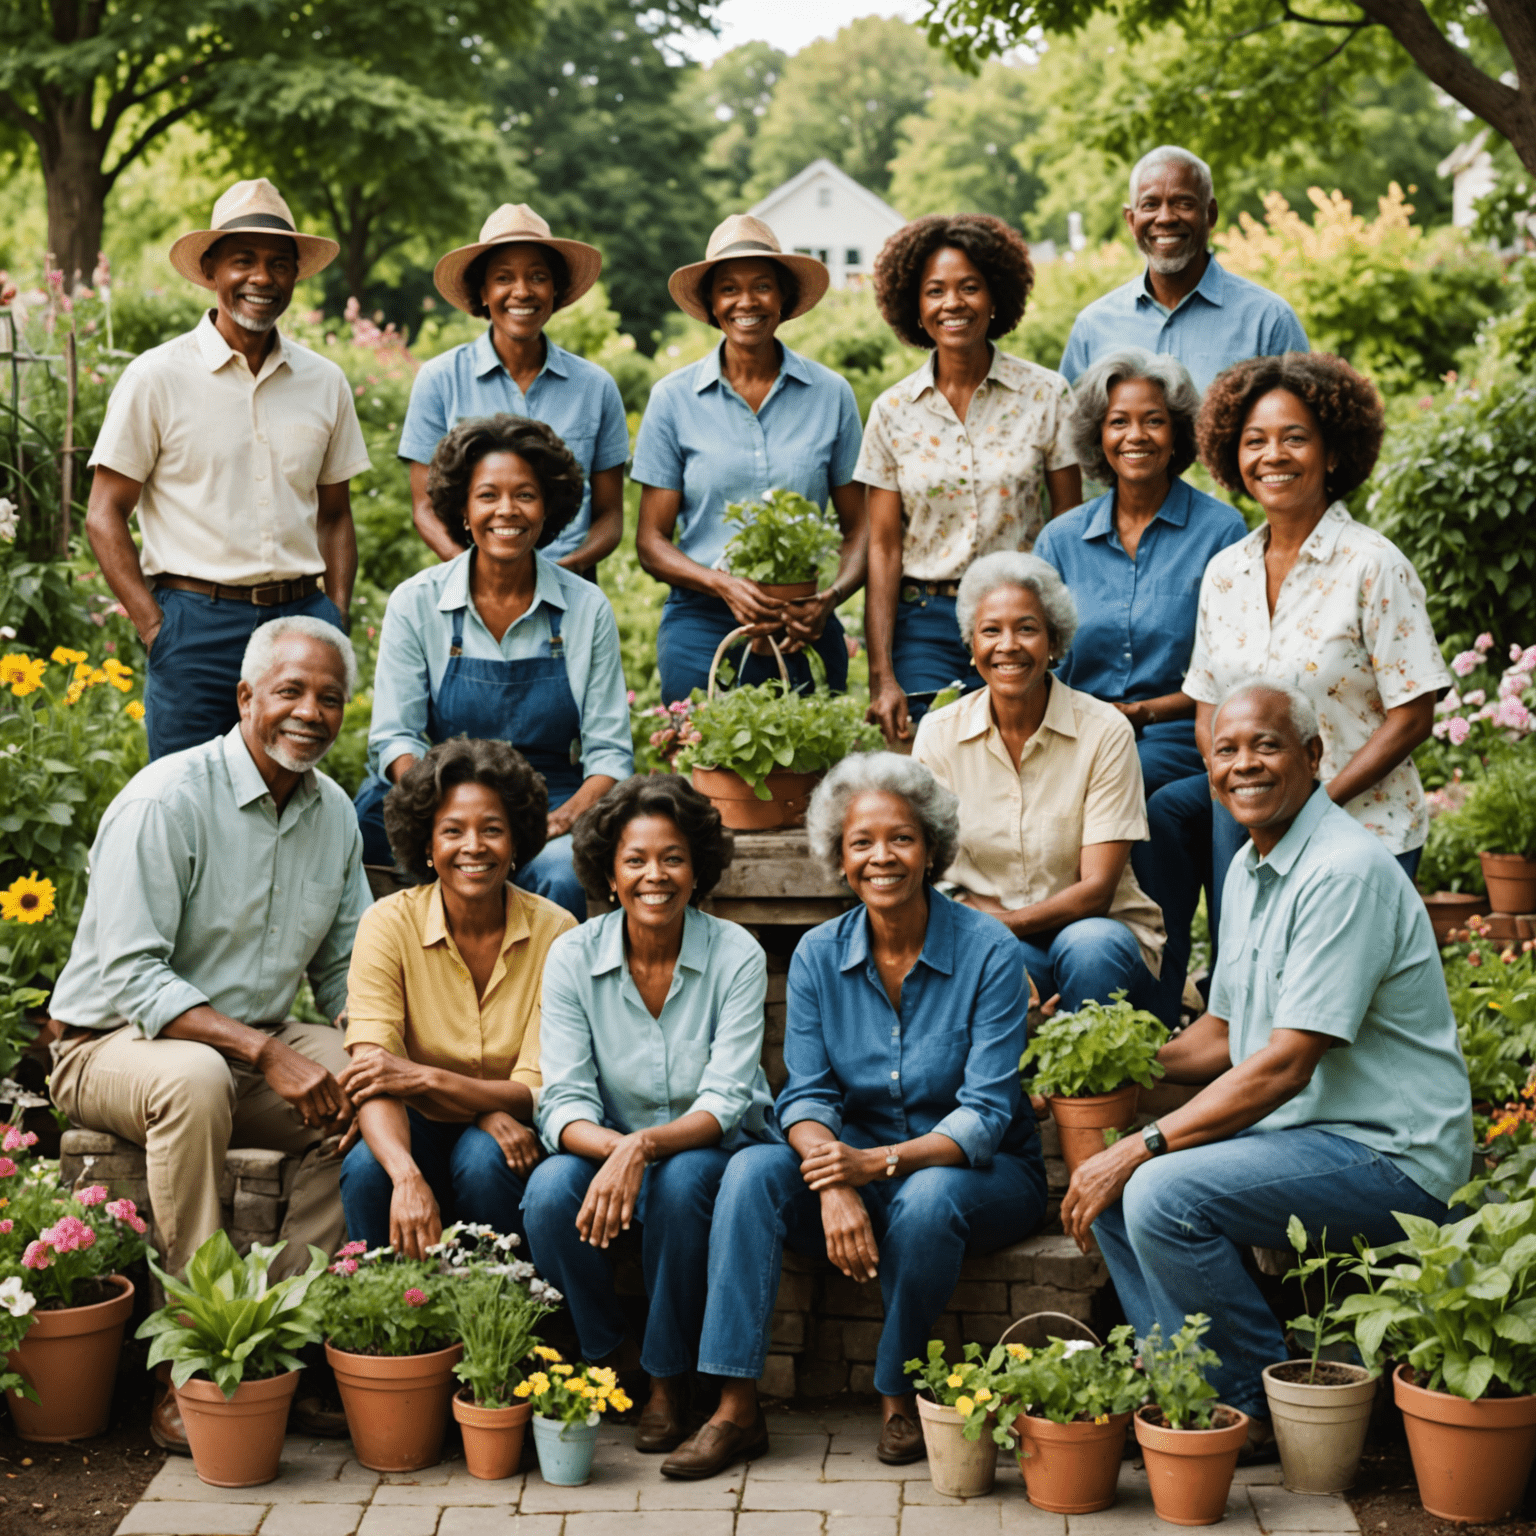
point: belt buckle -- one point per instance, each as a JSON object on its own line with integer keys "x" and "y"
{"x": 274, "y": 587}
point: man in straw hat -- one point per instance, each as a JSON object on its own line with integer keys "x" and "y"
{"x": 516, "y": 276}
{"x": 235, "y": 447}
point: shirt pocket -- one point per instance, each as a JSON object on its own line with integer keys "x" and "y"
{"x": 1053, "y": 847}
{"x": 304, "y": 450}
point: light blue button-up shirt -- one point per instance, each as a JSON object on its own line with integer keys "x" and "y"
{"x": 418, "y": 635}
{"x": 199, "y": 893}
{"x": 1224, "y": 320}
{"x": 575, "y": 397}
{"x": 606, "y": 1060}
{"x": 1328, "y": 935}
{"x": 947, "y": 1060}
{"x": 701, "y": 438}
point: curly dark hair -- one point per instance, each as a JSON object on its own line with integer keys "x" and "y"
{"x": 538, "y": 446}
{"x": 1345, "y": 403}
{"x": 474, "y": 274}
{"x": 789, "y": 287}
{"x": 998, "y": 252}
{"x": 595, "y": 837}
{"x": 410, "y": 808}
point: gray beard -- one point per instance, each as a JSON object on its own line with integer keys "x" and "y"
{"x": 287, "y": 759}
{"x": 249, "y": 323}
{"x": 1166, "y": 266}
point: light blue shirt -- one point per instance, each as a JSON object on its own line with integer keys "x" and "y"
{"x": 701, "y": 438}
{"x": 606, "y": 1060}
{"x": 418, "y": 635}
{"x": 1328, "y": 935}
{"x": 575, "y": 397}
{"x": 200, "y": 893}
{"x": 1226, "y": 319}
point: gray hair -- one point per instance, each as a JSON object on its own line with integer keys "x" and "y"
{"x": 936, "y": 809}
{"x": 1302, "y": 711}
{"x": 261, "y": 648}
{"x": 1091, "y": 401}
{"x": 1009, "y": 569}
{"x": 1172, "y": 154}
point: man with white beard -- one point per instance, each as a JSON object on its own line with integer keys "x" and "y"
{"x": 235, "y": 446}
{"x": 1185, "y": 304}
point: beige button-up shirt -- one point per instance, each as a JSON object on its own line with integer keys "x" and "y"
{"x": 1022, "y": 831}
{"x": 231, "y": 465}
{"x": 1350, "y": 629}
{"x": 973, "y": 487}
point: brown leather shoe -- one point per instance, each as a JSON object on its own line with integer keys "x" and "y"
{"x": 716, "y": 1447}
{"x": 658, "y": 1432}
{"x": 317, "y": 1417}
{"x": 901, "y": 1442}
{"x": 165, "y": 1426}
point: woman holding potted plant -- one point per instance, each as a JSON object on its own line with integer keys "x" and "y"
{"x": 750, "y": 417}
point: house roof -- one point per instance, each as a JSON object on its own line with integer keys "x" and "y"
{"x": 818, "y": 168}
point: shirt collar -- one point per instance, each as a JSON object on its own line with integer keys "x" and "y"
{"x": 976, "y": 713}
{"x": 1283, "y": 856}
{"x": 694, "y": 955}
{"x": 708, "y": 368}
{"x": 216, "y": 352}
{"x": 1320, "y": 544}
{"x": 938, "y": 943}
{"x": 455, "y": 589}
{"x": 487, "y": 360}
{"x": 1004, "y": 370}
{"x": 1211, "y": 287}
{"x": 1100, "y": 520}
{"x": 245, "y": 777}
{"x": 435, "y": 929}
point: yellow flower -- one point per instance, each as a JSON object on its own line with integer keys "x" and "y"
{"x": 621, "y": 1400}
{"x": 66, "y": 657}
{"x": 544, "y": 1352}
{"x": 539, "y": 1383}
{"x": 600, "y": 1405}
{"x": 134, "y": 709}
{"x": 561, "y": 1370}
{"x": 73, "y": 693}
{"x": 983, "y": 1394}
{"x": 964, "y": 1405}
{"x": 522, "y": 1389}
{"x": 1018, "y": 1351}
{"x": 23, "y": 673}
{"x": 956, "y": 1380}
{"x": 1101, "y": 1418}
{"x": 117, "y": 674}
{"x": 27, "y": 899}
{"x": 82, "y": 671}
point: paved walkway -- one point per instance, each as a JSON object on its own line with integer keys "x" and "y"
{"x": 821, "y": 1479}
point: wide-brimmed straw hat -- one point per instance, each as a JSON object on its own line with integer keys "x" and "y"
{"x": 256, "y": 208}
{"x": 743, "y": 236}
{"x": 515, "y": 224}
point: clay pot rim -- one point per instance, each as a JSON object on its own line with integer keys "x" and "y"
{"x": 1366, "y": 1374}
{"x": 425, "y": 1354}
{"x": 1508, "y": 858}
{"x": 1080, "y": 1422}
{"x": 462, "y": 1405}
{"x": 71, "y": 1317}
{"x": 1192, "y": 1435}
{"x": 210, "y": 1394}
{"x": 1093, "y": 1099}
{"x": 1448, "y": 1408}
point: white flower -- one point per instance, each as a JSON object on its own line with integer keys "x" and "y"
{"x": 1077, "y": 1346}
{"x": 9, "y": 522}
{"x": 594, "y": 1417}
{"x": 15, "y": 1298}
{"x": 6, "y": 632}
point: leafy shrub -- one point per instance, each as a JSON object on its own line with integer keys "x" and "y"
{"x": 784, "y": 538}
{"x": 1500, "y": 812}
{"x": 1449, "y": 861}
{"x": 382, "y": 1304}
{"x": 1492, "y": 989}
{"x": 1176, "y": 1373}
{"x": 1101, "y": 1047}
{"x": 1069, "y": 1381}
{"x": 1487, "y": 711}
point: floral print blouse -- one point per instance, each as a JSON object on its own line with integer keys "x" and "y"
{"x": 1350, "y": 629}
{"x": 973, "y": 487}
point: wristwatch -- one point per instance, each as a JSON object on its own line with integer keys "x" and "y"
{"x": 1155, "y": 1140}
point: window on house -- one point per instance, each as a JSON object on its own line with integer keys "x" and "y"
{"x": 853, "y": 257}
{"x": 824, "y": 256}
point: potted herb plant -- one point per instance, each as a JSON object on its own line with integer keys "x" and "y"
{"x": 1320, "y": 1409}
{"x": 1090, "y": 1066}
{"x": 71, "y": 1249}
{"x": 782, "y": 543}
{"x": 953, "y": 1404}
{"x": 1189, "y": 1442}
{"x": 1456, "y": 1305}
{"x": 568, "y": 1403}
{"x": 1500, "y": 817}
{"x": 233, "y": 1341}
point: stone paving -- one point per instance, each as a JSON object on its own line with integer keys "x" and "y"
{"x": 821, "y": 1479}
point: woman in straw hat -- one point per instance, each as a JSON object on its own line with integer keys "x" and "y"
{"x": 516, "y": 276}
{"x": 750, "y": 417}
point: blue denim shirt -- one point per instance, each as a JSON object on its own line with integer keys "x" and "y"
{"x": 575, "y": 397}
{"x": 1225, "y": 320}
{"x": 1136, "y": 618}
{"x": 946, "y": 1061}
{"x": 701, "y": 438}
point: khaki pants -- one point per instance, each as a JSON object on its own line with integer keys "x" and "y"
{"x": 185, "y": 1104}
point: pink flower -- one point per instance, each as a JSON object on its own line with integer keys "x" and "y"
{"x": 629, "y": 697}
{"x": 1484, "y": 642}
{"x": 1458, "y": 729}
{"x": 18, "y": 1140}
{"x": 1514, "y": 653}
{"x": 127, "y": 1211}
{"x": 1439, "y": 729}
{"x": 1465, "y": 662}
{"x": 1527, "y": 663}
{"x": 68, "y": 1234}
{"x": 344, "y": 1267}
{"x": 351, "y": 1250}
{"x": 6, "y": 1225}
{"x": 92, "y": 1196}
{"x": 7, "y": 1167}
{"x": 1512, "y": 715}
{"x": 1476, "y": 696}
{"x": 415, "y": 1297}
{"x": 36, "y": 1256}
{"x": 1513, "y": 684}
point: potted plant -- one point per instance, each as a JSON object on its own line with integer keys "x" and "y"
{"x": 71, "y": 1249}
{"x": 1320, "y": 1409}
{"x": 953, "y": 1403}
{"x": 1189, "y": 1442}
{"x": 16, "y": 1304}
{"x": 1456, "y": 1305}
{"x": 1066, "y": 1408}
{"x": 1500, "y": 818}
{"x": 1089, "y": 1066}
{"x": 233, "y": 1341}
{"x": 496, "y": 1306}
{"x": 568, "y": 1403}
{"x": 782, "y": 543}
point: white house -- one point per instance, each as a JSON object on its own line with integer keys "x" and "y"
{"x": 823, "y": 212}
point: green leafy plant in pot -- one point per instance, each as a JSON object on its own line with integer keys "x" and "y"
{"x": 784, "y": 540}
{"x": 954, "y": 1403}
{"x": 1499, "y": 817}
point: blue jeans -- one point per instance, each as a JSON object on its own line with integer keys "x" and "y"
{"x": 927, "y": 653}
{"x": 1167, "y": 752}
{"x": 924, "y": 1224}
{"x": 465, "y": 1168}
{"x": 1174, "y": 1240}
{"x": 194, "y": 664}
{"x": 1090, "y": 958}
{"x": 677, "y": 1200}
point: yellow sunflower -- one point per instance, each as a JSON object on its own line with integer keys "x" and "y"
{"x": 134, "y": 709}
{"x": 27, "y": 900}
{"x": 66, "y": 657}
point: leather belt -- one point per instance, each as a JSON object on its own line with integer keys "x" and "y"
{"x": 270, "y": 594}
{"x": 911, "y": 590}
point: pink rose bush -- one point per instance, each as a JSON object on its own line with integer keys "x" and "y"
{"x": 1494, "y": 710}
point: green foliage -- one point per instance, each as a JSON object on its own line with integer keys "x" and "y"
{"x": 16, "y": 1304}
{"x": 1176, "y": 1373}
{"x": 753, "y": 731}
{"x": 783, "y": 539}
{"x": 382, "y": 1304}
{"x": 1500, "y": 812}
{"x": 1069, "y": 1381}
{"x": 1062, "y": 289}
{"x": 1449, "y": 861}
{"x": 1324, "y": 1329}
{"x": 1101, "y": 1047}
{"x": 16, "y": 1034}
{"x": 965, "y": 1386}
{"x": 1492, "y": 989}
{"x": 733, "y": 94}
{"x": 226, "y": 1322}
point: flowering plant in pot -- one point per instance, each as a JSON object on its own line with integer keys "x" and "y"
{"x": 954, "y": 1402}
{"x": 1500, "y": 818}
{"x": 568, "y": 1403}
{"x": 233, "y": 1336}
{"x": 1089, "y": 1066}
{"x": 1189, "y": 1441}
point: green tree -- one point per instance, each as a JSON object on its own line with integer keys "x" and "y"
{"x": 733, "y": 94}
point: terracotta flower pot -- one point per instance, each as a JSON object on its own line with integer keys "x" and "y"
{"x": 1451, "y": 909}
{"x": 960, "y": 1468}
{"x": 1471, "y": 1459}
{"x": 789, "y": 592}
{"x": 70, "y": 1358}
{"x": 1321, "y": 1424}
{"x": 1071, "y": 1469}
{"x": 237, "y": 1442}
{"x": 1081, "y": 1123}
{"x": 1511, "y": 882}
{"x": 493, "y": 1437}
{"x": 742, "y": 811}
{"x": 1190, "y": 1470}
{"x": 397, "y": 1405}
